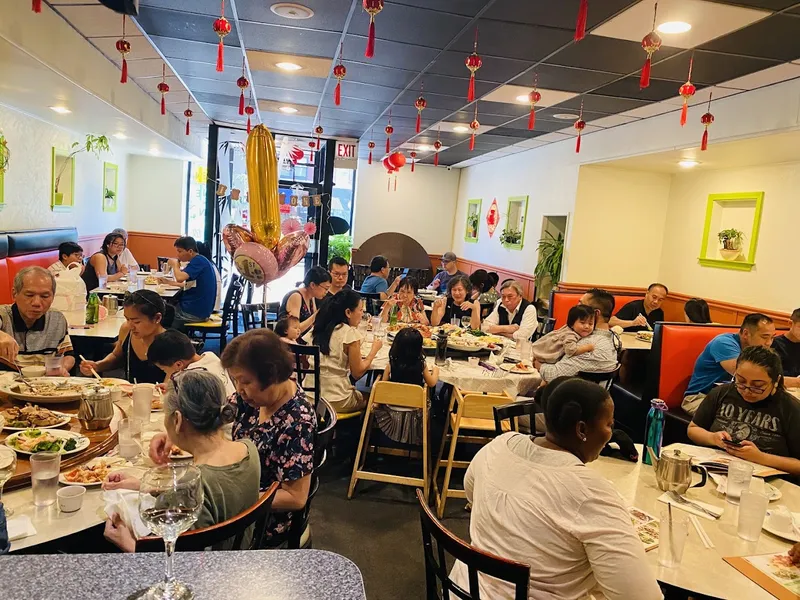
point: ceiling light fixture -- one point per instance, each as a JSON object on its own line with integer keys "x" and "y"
{"x": 523, "y": 99}
{"x": 566, "y": 116}
{"x": 288, "y": 66}
{"x": 154, "y": 151}
{"x": 688, "y": 163}
{"x": 424, "y": 148}
{"x": 461, "y": 129}
{"x": 674, "y": 27}
{"x": 62, "y": 110}
{"x": 120, "y": 136}
{"x": 291, "y": 10}
{"x": 289, "y": 110}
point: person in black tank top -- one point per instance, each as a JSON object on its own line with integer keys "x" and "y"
{"x": 302, "y": 302}
{"x": 105, "y": 263}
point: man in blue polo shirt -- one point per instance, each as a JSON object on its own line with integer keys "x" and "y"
{"x": 196, "y": 302}
{"x": 717, "y": 361}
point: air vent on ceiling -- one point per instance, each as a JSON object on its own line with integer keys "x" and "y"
{"x": 290, "y": 10}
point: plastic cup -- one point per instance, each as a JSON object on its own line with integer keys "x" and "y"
{"x": 752, "y": 510}
{"x": 101, "y": 282}
{"x": 70, "y": 498}
{"x": 473, "y": 361}
{"x": 672, "y": 536}
{"x": 130, "y": 438}
{"x": 143, "y": 401}
{"x": 45, "y": 467}
{"x": 739, "y": 475}
{"x": 116, "y": 394}
{"x": 140, "y": 281}
{"x": 52, "y": 365}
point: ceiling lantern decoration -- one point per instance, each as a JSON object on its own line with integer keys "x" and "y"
{"x": 36, "y": 6}
{"x": 579, "y": 126}
{"x": 318, "y": 130}
{"x": 371, "y": 146}
{"x": 340, "y": 72}
{"x": 312, "y": 144}
{"x": 373, "y": 7}
{"x": 474, "y": 126}
{"x": 420, "y": 104}
{"x": 437, "y": 146}
{"x": 222, "y": 27}
{"x": 389, "y": 131}
{"x": 533, "y": 98}
{"x": 164, "y": 89}
{"x": 123, "y": 47}
{"x": 707, "y": 119}
{"x": 650, "y": 43}
{"x": 242, "y": 83}
{"x": 188, "y": 113}
{"x": 687, "y": 90}
{"x": 413, "y": 155}
{"x": 473, "y": 63}
{"x": 580, "y": 24}
{"x": 249, "y": 111}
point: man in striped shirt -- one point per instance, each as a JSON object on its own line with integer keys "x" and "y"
{"x": 29, "y": 330}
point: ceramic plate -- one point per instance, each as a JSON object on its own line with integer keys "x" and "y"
{"x": 787, "y": 535}
{"x": 114, "y": 464}
{"x": 513, "y": 368}
{"x": 82, "y": 441}
{"x": 64, "y": 421}
{"x": 722, "y": 486}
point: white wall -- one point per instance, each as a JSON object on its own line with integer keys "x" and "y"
{"x": 156, "y": 192}
{"x": 422, "y": 207}
{"x": 28, "y": 179}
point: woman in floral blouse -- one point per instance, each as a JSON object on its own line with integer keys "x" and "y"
{"x": 274, "y": 413}
{"x": 409, "y": 305}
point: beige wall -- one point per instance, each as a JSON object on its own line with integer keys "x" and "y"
{"x": 156, "y": 193}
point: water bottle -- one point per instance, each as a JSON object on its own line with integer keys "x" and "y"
{"x": 654, "y": 430}
{"x": 93, "y": 309}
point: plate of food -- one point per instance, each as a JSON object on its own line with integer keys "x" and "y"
{"x": 179, "y": 454}
{"x": 53, "y": 390}
{"x": 519, "y": 367}
{"x": 465, "y": 344}
{"x": 428, "y": 343}
{"x": 151, "y": 280}
{"x": 91, "y": 474}
{"x": 645, "y": 336}
{"x": 31, "y": 441}
{"x": 32, "y": 416}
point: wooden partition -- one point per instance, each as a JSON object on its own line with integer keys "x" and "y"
{"x": 527, "y": 281}
{"x": 146, "y": 247}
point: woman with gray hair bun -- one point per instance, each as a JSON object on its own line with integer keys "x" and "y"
{"x": 126, "y": 257}
{"x": 195, "y": 414}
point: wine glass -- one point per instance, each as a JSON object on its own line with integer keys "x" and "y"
{"x": 8, "y": 466}
{"x": 466, "y": 322}
{"x": 170, "y": 500}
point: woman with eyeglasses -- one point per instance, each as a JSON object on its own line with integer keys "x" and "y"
{"x": 144, "y": 311}
{"x": 106, "y": 263}
{"x": 754, "y": 417}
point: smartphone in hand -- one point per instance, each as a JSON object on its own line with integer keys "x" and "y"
{"x": 732, "y": 443}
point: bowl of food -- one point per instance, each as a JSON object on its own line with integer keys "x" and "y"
{"x": 33, "y": 371}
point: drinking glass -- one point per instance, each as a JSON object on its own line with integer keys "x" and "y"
{"x": 739, "y": 475}
{"x": 466, "y": 322}
{"x": 8, "y": 466}
{"x": 52, "y": 365}
{"x": 143, "y": 401}
{"x": 130, "y": 438}
{"x": 44, "y": 477}
{"x": 752, "y": 510}
{"x": 170, "y": 500}
{"x": 454, "y": 321}
{"x": 672, "y": 534}
{"x": 525, "y": 349}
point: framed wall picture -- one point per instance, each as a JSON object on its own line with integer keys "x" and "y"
{"x": 513, "y": 235}
{"x": 730, "y": 232}
{"x": 2, "y": 189}
{"x": 62, "y": 168}
{"x": 473, "y": 220}
{"x": 110, "y": 181}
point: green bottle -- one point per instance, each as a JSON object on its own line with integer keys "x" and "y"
{"x": 393, "y": 315}
{"x": 93, "y": 309}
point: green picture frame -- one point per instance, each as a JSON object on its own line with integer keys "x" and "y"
{"x": 473, "y": 221}
{"x": 753, "y": 202}
{"x": 110, "y": 187}
{"x": 63, "y": 199}
{"x": 2, "y": 189}
{"x": 513, "y": 235}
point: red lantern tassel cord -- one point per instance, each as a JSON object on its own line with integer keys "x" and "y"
{"x": 644, "y": 80}
{"x": 436, "y": 160}
{"x": 370, "y": 51}
{"x": 241, "y": 103}
{"x": 248, "y": 125}
{"x": 472, "y": 142}
{"x": 684, "y": 111}
{"x": 578, "y": 144}
{"x": 337, "y": 94}
{"x": 704, "y": 142}
{"x": 187, "y": 126}
{"x": 163, "y": 105}
{"x": 419, "y": 121}
{"x": 36, "y": 6}
{"x": 532, "y": 120}
{"x": 471, "y": 88}
{"x": 369, "y": 160}
{"x": 220, "y": 57}
{"x": 124, "y": 77}
{"x": 580, "y": 24}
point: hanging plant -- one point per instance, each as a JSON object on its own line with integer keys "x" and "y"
{"x": 511, "y": 236}
{"x": 94, "y": 144}
{"x": 5, "y": 154}
{"x": 551, "y": 255}
{"x": 730, "y": 239}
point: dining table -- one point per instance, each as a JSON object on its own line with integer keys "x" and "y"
{"x": 165, "y": 291}
{"x": 233, "y": 575}
{"x": 702, "y": 570}
{"x": 631, "y": 342}
{"x": 107, "y": 329}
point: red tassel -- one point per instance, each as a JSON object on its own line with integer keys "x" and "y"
{"x": 436, "y": 160}
{"x": 337, "y": 94}
{"x": 388, "y": 147}
{"x": 419, "y": 121}
{"x": 471, "y": 90}
{"x": 580, "y": 25}
{"x": 644, "y": 81}
{"x": 220, "y": 57}
{"x": 684, "y": 112}
{"x": 370, "y": 51}
{"x": 412, "y": 166}
{"x": 187, "y": 126}
{"x": 532, "y": 120}
{"x": 369, "y": 160}
{"x": 241, "y": 103}
{"x": 124, "y": 78}
{"x": 248, "y": 125}
{"x": 36, "y": 6}
{"x": 578, "y": 144}
{"x": 472, "y": 142}
{"x": 704, "y": 143}
{"x": 163, "y": 105}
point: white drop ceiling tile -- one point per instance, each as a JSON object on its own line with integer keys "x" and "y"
{"x": 508, "y": 95}
{"x": 310, "y": 66}
{"x": 448, "y": 126}
{"x": 574, "y": 132}
{"x": 534, "y": 143}
{"x": 150, "y": 67}
{"x": 650, "y": 110}
{"x": 768, "y": 76}
{"x": 555, "y": 136}
{"x": 150, "y": 85}
{"x": 140, "y": 49}
{"x": 96, "y": 20}
{"x": 709, "y": 20}
{"x": 613, "y": 121}
{"x": 701, "y": 97}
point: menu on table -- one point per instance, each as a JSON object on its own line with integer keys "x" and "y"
{"x": 646, "y": 527}
{"x": 774, "y": 572}
{"x": 718, "y": 460}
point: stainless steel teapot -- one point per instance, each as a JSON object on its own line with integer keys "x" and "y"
{"x": 674, "y": 471}
{"x": 96, "y": 409}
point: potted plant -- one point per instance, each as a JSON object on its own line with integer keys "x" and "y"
{"x": 109, "y": 196}
{"x": 472, "y": 224}
{"x": 340, "y": 245}
{"x": 94, "y": 144}
{"x": 5, "y": 154}
{"x": 548, "y": 267}
{"x": 730, "y": 243}
{"x": 510, "y": 237}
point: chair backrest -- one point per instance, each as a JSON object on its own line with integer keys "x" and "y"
{"x": 406, "y": 395}
{"x": 360, "y": 273}
{"x": 486, "y": 309}
{"x": 480, "y": 405}
{"x": 604, "y": 380}
{"x": 234, "y": 528}
{"x": 561, "y": 302}
{"x": 232, "y": 299}
{"x": 374, "y": 303}
{"x": 436, "y": 541}
{"x": 306, "y": 362}
{"x": 511, "y": 413}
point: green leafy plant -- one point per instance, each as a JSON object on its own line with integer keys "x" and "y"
{"x": 110, "y": 194}
{"x": 472, "y": 223}
{"x": 94, "y": 144}
{"x": 511, "y": 236}
{"x": 731, "y": 239}
{"x": 551, "y": 254}
{"x": 340, "y": 245}
{"x": 5, "y": 154}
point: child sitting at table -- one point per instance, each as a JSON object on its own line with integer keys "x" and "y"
{"x": 288, "y": 329}
{"x": 564, "y": 341}
{"x": 406, "y": 365}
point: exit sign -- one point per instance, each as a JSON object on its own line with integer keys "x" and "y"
{"x": 346, "y": 154}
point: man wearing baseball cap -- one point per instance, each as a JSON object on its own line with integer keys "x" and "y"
{"x": 449, "y": 270}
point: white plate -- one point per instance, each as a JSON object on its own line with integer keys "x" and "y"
{"x": 115, "y": 463}
{"x": 83, "y": 441}
{"x": 182, "y": 456}
{"x": 67, "y": 418}
{"x": 512, "y": 368}
{"x": 787, "y": 535}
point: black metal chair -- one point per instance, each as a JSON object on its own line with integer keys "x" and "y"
{"x": 549, "y": 325}
{"x": 230, "y": 315}
{"x": 510, "y": 414}
{"x": 486, "y": 309}
{"x": 252, "y": 315}
{"x": 306, "y": 368}
{"x": 476, "y": 561}
{"x": 605, "y": 380}
{"x": 374, "y": 303}
{"x": 360, "y": 273}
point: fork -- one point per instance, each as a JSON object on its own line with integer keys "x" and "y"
{"x": 673, "y": 495}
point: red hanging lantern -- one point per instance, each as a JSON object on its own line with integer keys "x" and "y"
{"x": 650, "y": 43}
{"x": 373, "y": 7}
{"x": 473, "y": 63}
{"x": 397, "y": 160}
{"x": 580, "y": 23}
{"x": 249, "y": 111}
{"x": 437, "y": 145}
{"x": 164, "y": 89}
{"x": 371, "y": 146}
{"x": 312, "y": 144}
{"x": 222, "y": 27}
{"x": 188, "y": 114}
{"x": 319, "y": 131}
{"x": 579, "y": 126}
{"x": 413, "y": 156}
{"x": 533, "y": 98}
{"x": 36, "y": 6}
{"x": 474, "y": 126}
{"x": 242, "y": 83}
{"x": 687, "y": 90}
{"x": 339, "y": 71}
{"x": 123, "y": 47}
{"x": 389, "y": 131}
{"x": 707, "y": 119}
{"x": 420, "y": 104}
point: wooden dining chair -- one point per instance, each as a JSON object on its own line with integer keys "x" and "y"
{"x": 215, "y": 536}
{"x": 219, "y": 325}
{"x": 437, "y": 542}
{"x": 387, "y": 393}
{"x": 506, "y": 416}
{"x": 474, "y": 413}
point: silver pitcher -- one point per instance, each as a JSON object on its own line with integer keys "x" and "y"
{"x": 96, "y": 409}
{"x": 674, "y": 471}
{"x": 111, "y": 303}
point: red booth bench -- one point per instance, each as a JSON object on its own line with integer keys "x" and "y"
{"x": 561, "y": 302}
{"x": 34, "y": 247}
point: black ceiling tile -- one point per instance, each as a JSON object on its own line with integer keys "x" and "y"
{"x": 196, "y": 51}
{"x": 461, "y": 7}
{"x": 205, "y": 98}
{"x": 553, "y": 77}
{"x": 353, "y": 106}
{"x": 795, "y": 10}
{"x": 514, "y": 40}
{"x": 329, "y": 15}
{"x": 610, "y": 55}
{"x": 434, "y": 100}
{"x": 200, "y": 7}
{"x": 710, "y": 68}
{"x": 541, "y": 127}
{"x": 494, "y": 69}
{"x": 183, "y": 26}
{"x": 409, "y": 25}
{"x": 455, "y": 86}
{"x": 288, "y": 96}
{"x": 601, "y": 104}
{"x": 764, "y": 4}
{"x": 429, "y": 114}
{"x": 485, "y": 119}
{"x": 659, "y": 89}
{"x": 561, "y": 14}
{"x": 388, "y": 53}
{"x": 377, "y": 75}
{"x": 512, "y": 135}
{"x": 776, "y": 37}
{"x": 213, "y": 87}
{"x": 287, "y": 82}
{"x": 270, "y": 38}
{"x": 375, "y": 93}
{"x": 502, "y": 109}
{"x": 547, "y": 114}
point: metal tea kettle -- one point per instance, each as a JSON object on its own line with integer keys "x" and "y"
{"x": 674, "y": 471}
{"x": 111, "y": 303}
{"x": 96, "y": 409}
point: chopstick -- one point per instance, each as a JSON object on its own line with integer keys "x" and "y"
{"x": 93, "y": 371}
{"x": 647, "y": 323}
{"x": 701, "y": 533}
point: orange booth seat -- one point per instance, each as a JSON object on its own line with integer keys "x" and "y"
{"x": 561, "y": 302}
{"x": 20, "y": 249}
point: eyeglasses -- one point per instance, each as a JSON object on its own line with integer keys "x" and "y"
{"x": 177, "y": 375}
{"x": 750, "y": 388}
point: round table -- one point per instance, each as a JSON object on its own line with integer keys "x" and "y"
{"x": 702, "y": 569}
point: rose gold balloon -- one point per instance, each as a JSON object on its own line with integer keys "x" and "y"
{"x": 291, "y": 249}
{"x": 234, "y": 236}
{"x": 256, "y": 263}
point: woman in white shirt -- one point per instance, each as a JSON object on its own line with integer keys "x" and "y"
{"x": 534, "y": 501}
{"x": 340, "y": 350}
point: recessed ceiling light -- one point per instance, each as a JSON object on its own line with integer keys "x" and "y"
{"x": 290, "y": 10}
{"x": 154, "y": 151}
{"x": 674, "y": 27}
{"x": 566, "y": 116}
{"x": 289, "y": 110}
{"x": 62, "y": 110}
{"x": 288, "y": 66}
{"x": 424, "y": 148}
{"x": 688, "y": 163}
{"x": 523, "y": 99}
{"x": 120, "y": 136}
{"x": 460, "y": 129}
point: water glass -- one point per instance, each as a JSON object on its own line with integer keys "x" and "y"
{"x": 752, "y": 510}
{"x": 739, "y": 475}
{"x": 672, "y": 534}
{"x": 130, "y": 438}
{"x": 8, "y": 466}
{"x": 143, "y": 401}
{"x": 101, "y": 282}
{"x": 53, "y": 365}
{"x": 454, "y": 321}
{"x": 525, "y": 349}
{"x": 473, "y": 361}
{"x": 45, "y": 467}
{"x": 466, "y": 322}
